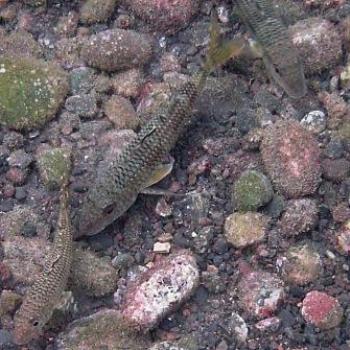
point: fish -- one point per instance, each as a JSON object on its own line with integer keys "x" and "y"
{"x": 138, "y": 166}
{"x": 46, "y": 292}
{"x": 280, "y": 57}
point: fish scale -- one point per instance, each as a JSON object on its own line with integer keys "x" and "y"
{"x": 46, "y": 292}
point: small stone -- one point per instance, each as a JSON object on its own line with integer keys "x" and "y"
{"x": 237, "y": 327}
{"x": 6, "y": 340}
{"x": 260, "y": 293}
{"x": 162, "y": 248}
{"x": 341, "y": 212}
{"x": 251, "y": 191}
{"x": 321, "y": 310}
{"x": 342, "y": 236}
{"x": 291, "y": 156}
{"x": 67, "y": 25}
{"x": 8, "y": 191}
{"x": 315, "y": 121}
{"x": 8, "y": 302}
{"x": 84, "y": 105}
{"x": 301, "y": 215}
{"x": 13, "y": 140}
{"x": 245, "y": 229}
{"x": 318, "y": 43}
{"x": 128, "y": 83}
{"x": 54, "y": 166}
{"x": 335, "y": 149}
{"x": 163, "y": 209}
{"x": 105, "y": 330}
{"x": 335, "y": 170}
{"x": 94, "y": 11}
{"x": 270, "y": 324}
{"x": 92, "y": 275}
{"x": 160, "y": 290}
{"x": 16, "y": 175}
{"x": 81, "y": 80}
{"x": 121, "y": 113}
{"x": 345, "y": 77}
{"x": 301, "y": 264}
{"x": 116, "y": 49}
{"x": 20, "y": 159}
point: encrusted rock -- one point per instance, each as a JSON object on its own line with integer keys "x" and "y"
{"x": 94, "y": 11}
{"x": 128, "y": 83}
{"x": 321, "y": 310}
{"x": 243, "y": 229}
{"x": 318, "y": 42}
{"x": 335, "y": 170}
{"x": 342, "y": 238}
{"x": 301, "y": 215}
{"x": 9, "y": 301}
{"x": 160, "y": 290}
{"x": 116, "y": 49}
{"x": 102, "y": 330}
{"x": 292, "y": 158}
{"x": 260, "y": 293}
{"x": 314, "y": 121}
{"x": 301, "y": 264}
{"x": 251, "y": 191}
{"x": 121, "y": 113}
{"x": 31, "y": 91}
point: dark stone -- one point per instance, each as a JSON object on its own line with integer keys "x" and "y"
{"x": 21, "y": 193}
{"x": 29, "y": 229}
{"x": 6, "y": 205}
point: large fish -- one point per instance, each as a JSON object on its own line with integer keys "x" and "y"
{"x": 46, "y": 292}
{"x": 280, "y": 57}
{"x": 138, "y": 166}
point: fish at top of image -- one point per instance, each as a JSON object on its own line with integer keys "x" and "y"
{"x": 273, "y": 44}
{"x": 138, "y": 166}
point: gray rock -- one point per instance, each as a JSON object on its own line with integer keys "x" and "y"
{"x": 84, "y": 105}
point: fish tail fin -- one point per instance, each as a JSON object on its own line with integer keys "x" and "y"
{"x": 219, "y": 51}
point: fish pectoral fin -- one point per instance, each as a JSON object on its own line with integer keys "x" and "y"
{"x": 159, "y": 173}
{"x": 156, "y": 191}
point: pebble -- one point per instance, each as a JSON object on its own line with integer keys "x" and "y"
{"x": 101, "y": 330}
{"x": 162, "y": 248}
{"x": 318, "y": 43}
{"x": 321, "y": 310}
{"x": 8, "y": 190}
{"x": 270, "y": 324}
{"x": 301, "y": 215}
{"x": 243, "y": 229}
{"x": 166, "y": 16}
{"x": 335, "y": 170}
{"x": 20, "y": 158}
{"x": 128, "y": 83}
{"x": 291, "y": 157}
{"x": 160, "y": 290}
{"x": 121, "y": 113}
{"x": 342, "y": 238}
{"x": 260, "y": 293}
{"x": 334, "y": 149}
{"x": 13, "y": 140}
{"x": 237, "y": 327}
{"x": 16, "y": 175}
{"x": 94, "y": 11}
{"x": 81, "y": 80}
{"x": 251, "y": 191}
{"x": 315, "y": 121}
{"x": 84, "y": 105}
{"x": 113, "y": 49}
{"x": 300, "y": 265}
{"x": 163, "y": 209}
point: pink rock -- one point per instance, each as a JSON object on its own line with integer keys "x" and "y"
{"x": 268, "y": 324}
{"x": 16, "y": 176}
{"x": 321, "y": 310}
{"x": 260, "y": 293}
{"x": 160, "y": 290}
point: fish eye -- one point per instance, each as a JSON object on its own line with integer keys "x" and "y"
{"x": 35, "y": 323}
{"x": 108, "y": 209}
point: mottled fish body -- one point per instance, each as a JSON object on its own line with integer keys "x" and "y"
{"x": 278, "y": 53}
{"x": 46, "y": 292}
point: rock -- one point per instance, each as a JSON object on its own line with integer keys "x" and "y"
{"x": 16, "y": 175}
{"x": 237, "y": 327}
{"x": 318, "y": 43}
{"x": 121, "y": 113}
{"x": 54, "y": 166}
{"x": 301, "y": 264}
{"x": 6, "y": 340}
{"x": 116, "y": 49}
{"x": 149, "y": 299}
{"x": 81, "y": 80}
{"x": 342, "y": 238}
{"x": 260, "y": 293}
{"x": 102, "y": 330}
{"x": 341, "y": 212}
{"x": 20, "y": 159}
{"x": 35, "y": 3}
{"x": 162, "y": 247}
{"x": 270, "y": 324}
{"x": 245, "y": 229}
{"x": 92, "y": 275}
{"x": 251, "y": 191}
{"x": 128, "y": 83}
{"x": 8, "y": 302}
{"x": 31, "y": 92}
{"x": 291, "y": 158}
{"x": 301, "y": 215}
{"x": 84, "y": 105}
{"x": 336, "y": 170}
{"x": 185, "y": 343}
{"x": 321, "y": 310}
{"x": 94, "y": 11}
{"x": 67, "y": 25}
{"x": 13, "y": 140}
{"x": 166, "y": 16}
{"x": 67, "y": 52}
{"x": 314, "y": 121}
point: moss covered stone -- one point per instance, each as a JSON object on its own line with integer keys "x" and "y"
{"x": 54, "y": 167}
{"x": 251, "y": 191}
{"x": 31, "y": 91}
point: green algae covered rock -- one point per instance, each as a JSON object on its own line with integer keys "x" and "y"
{"x": 251, "y": 191}
{"x": 54, "y": 167}
{"x": 31, "y": 91}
